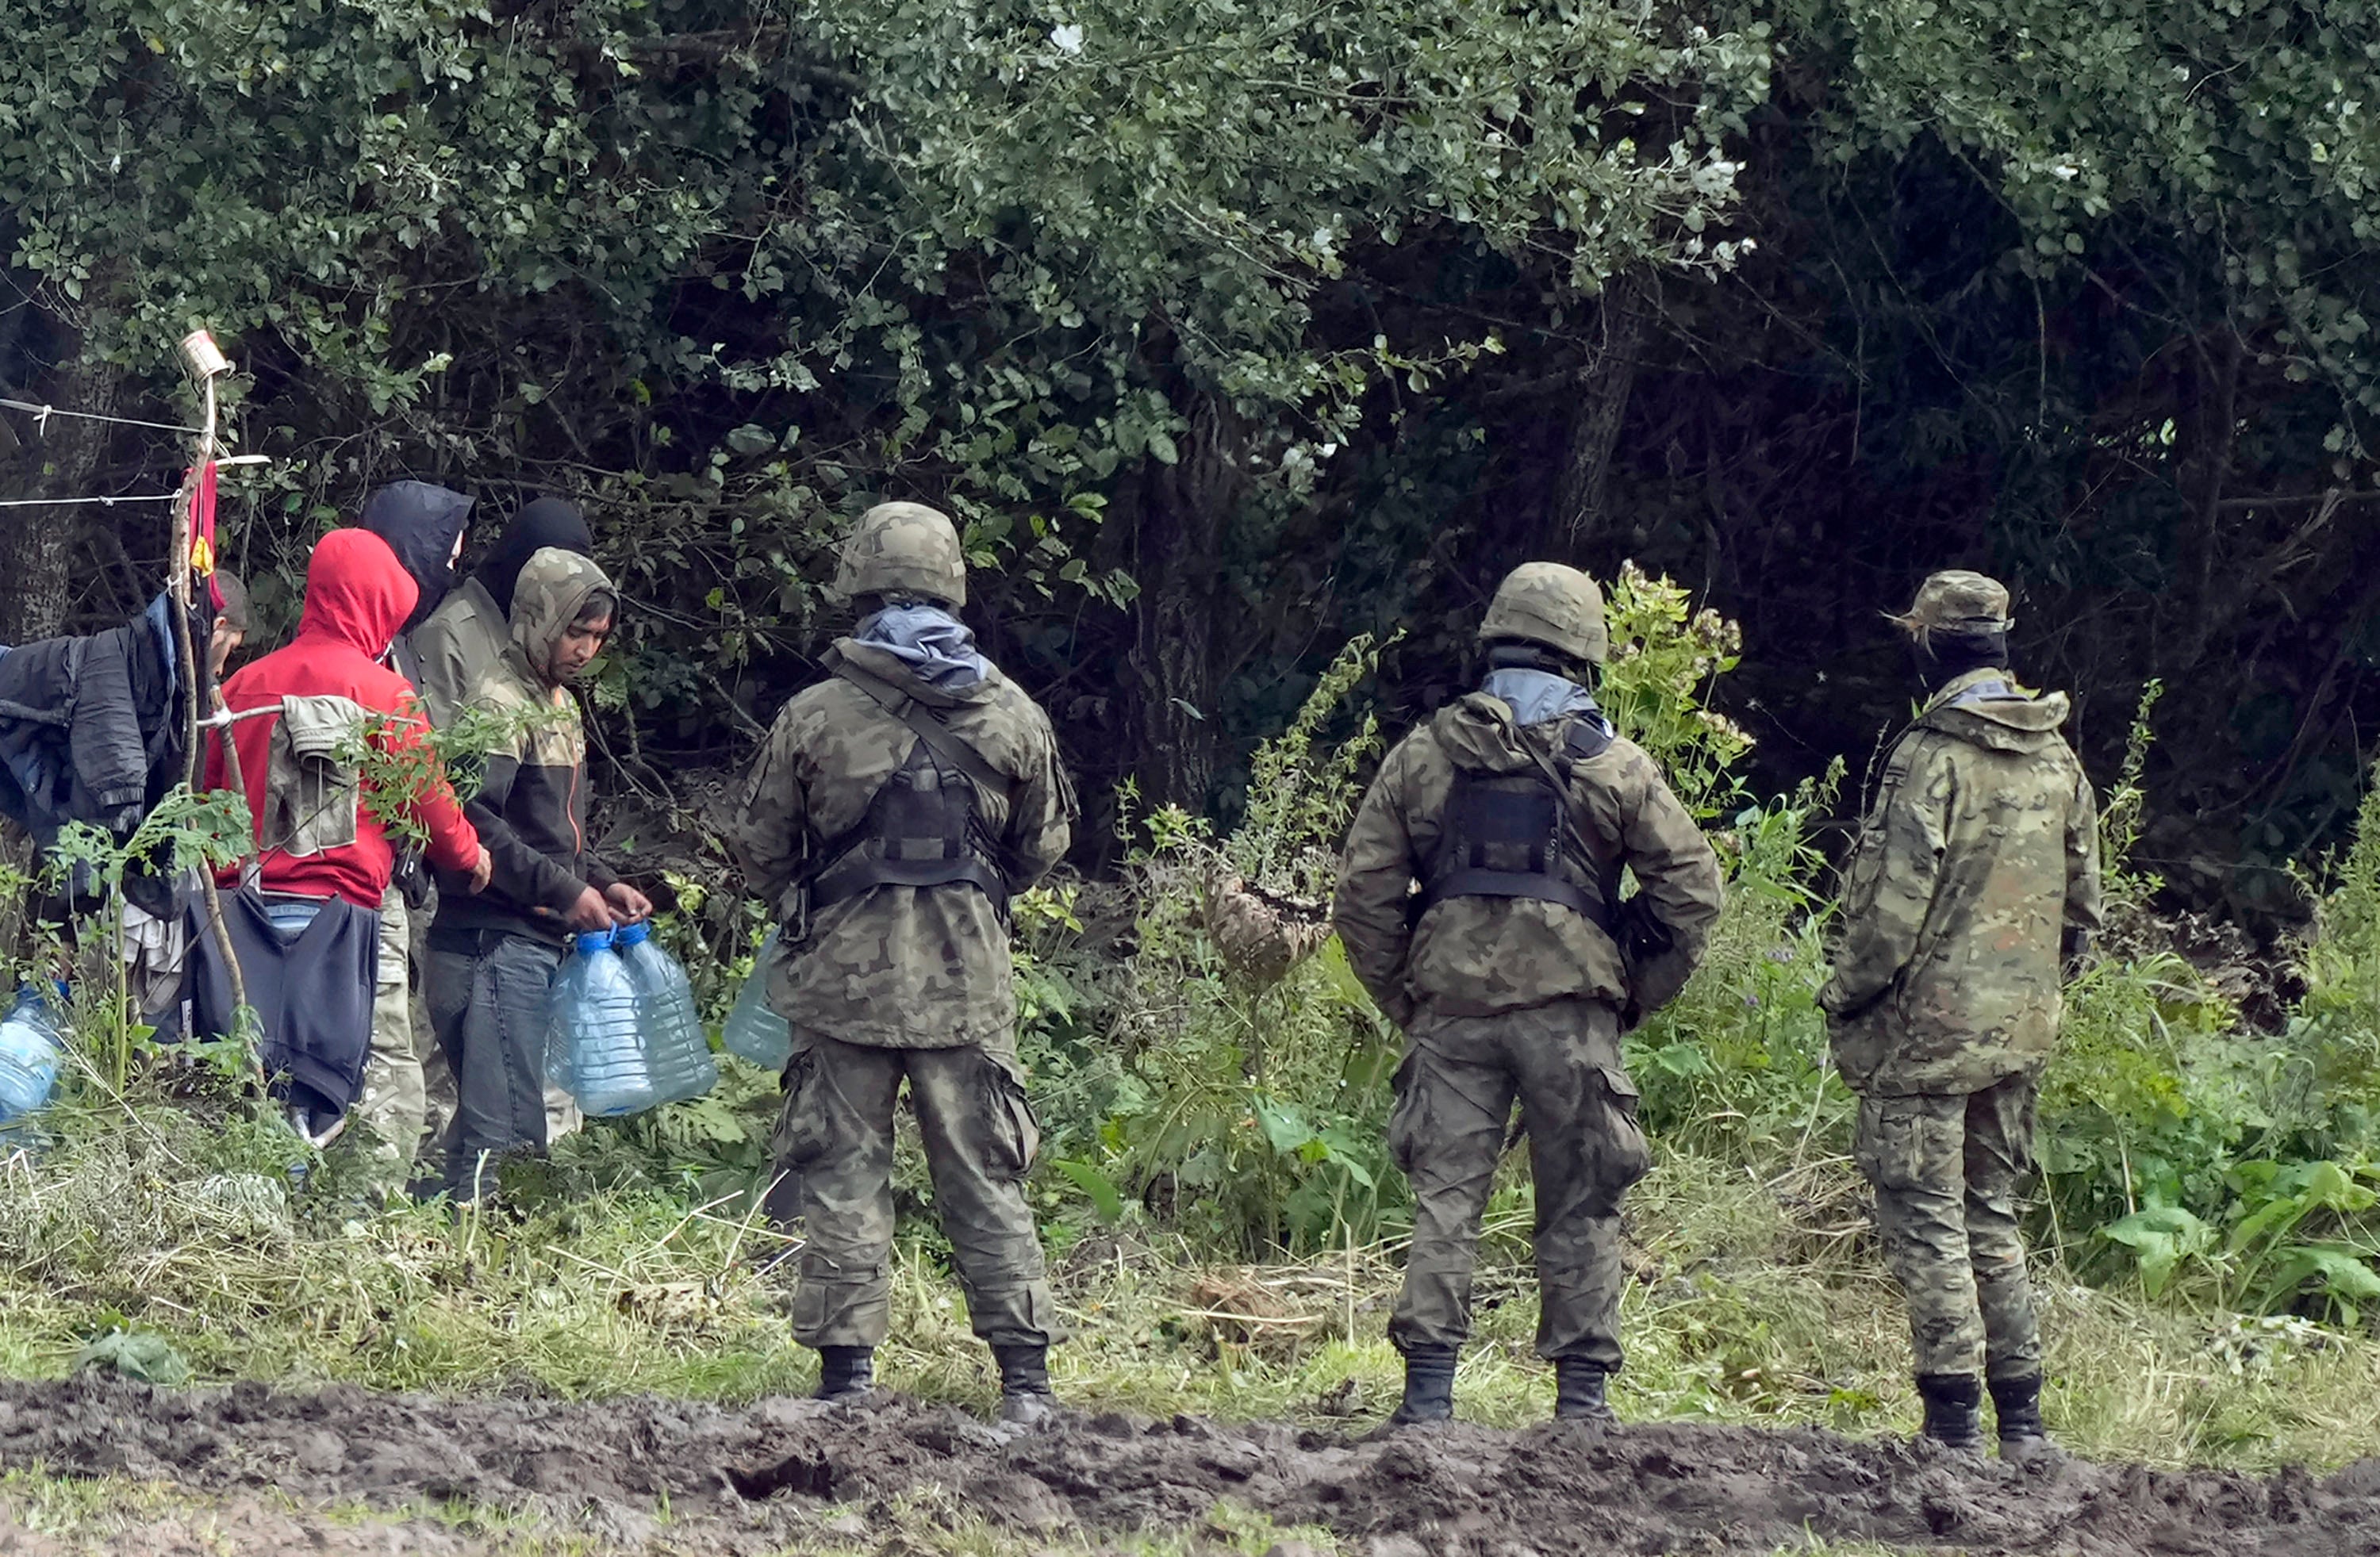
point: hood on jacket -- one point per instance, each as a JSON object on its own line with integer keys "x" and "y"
{"x": 886, "y": 664}
{"x": 936, "y": 646}
{"x": 421, "y": 523}
{"x": 357, "y": 592}
{"x": 547, "y": 523}
{"x": 1479, "y": 735}
{"x": 1988, "y": 709}
{"x": 552, "y": 587}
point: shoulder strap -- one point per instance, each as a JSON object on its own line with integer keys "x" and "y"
{"x": 944, "y": 741}
{"x": 1608, "y": 890}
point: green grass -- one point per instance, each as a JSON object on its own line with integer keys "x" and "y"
{"x": 1755, "y": 1301}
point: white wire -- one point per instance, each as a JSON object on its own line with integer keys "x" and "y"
{"x": 43, "y": 413}
{"x": 63, "y": 502}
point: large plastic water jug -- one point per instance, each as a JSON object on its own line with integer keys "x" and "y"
{"x": 595, "y": 1027}
{"x": 675, "y": 1046}
{"x": 755, "y": 1031}
{"x": 30, "y": 1049}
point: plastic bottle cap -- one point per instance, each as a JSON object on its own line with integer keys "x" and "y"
{"x": 632, "y": 935}
{"x": 589, "y": 942}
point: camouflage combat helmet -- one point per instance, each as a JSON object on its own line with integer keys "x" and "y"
{"x": 1955, "y": 601}
{"x": 1547, "y": 603}
{"x": 903, "y": 549}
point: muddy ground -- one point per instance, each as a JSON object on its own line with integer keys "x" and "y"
{"x": 649, "y": 1474}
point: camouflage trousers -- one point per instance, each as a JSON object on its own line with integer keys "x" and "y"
{"x": 392, "y": 1106}
{"x": 1947, "y": 1168}
{"x": 1455, "y": 1091}
{"x": 835, "y": 1133}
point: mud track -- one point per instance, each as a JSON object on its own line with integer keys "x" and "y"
{"x": 740, "y": 1473}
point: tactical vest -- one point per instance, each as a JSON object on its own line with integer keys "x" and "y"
{"x": 1505, "y": 835}
{"x": 923, "y": 826}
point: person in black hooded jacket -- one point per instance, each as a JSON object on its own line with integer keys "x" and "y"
{"x": 424, "y": 526}
{"x": 472, "y": 630}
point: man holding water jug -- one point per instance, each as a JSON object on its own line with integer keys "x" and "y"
{"x": 895, "y": 807}
{"x": 493, "y": 956}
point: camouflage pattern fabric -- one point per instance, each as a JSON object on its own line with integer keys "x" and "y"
{"x": 1455, "y": 1092}
{"x": 896, "y": 967}
{"x": 835, "y": 1134}
{"x": 1483, "y": 956}
{"x": 392, "y": 1105}
{"x": 903, "y": 549}
{"x": 1550, "y": 604}
{"x": 1955, "y": 601}
{"x": 1946, "y": 1170}
{"x": 1260, "y": 938}
{"x": 1982, "y": 846}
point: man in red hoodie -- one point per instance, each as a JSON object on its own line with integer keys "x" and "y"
{"x": 322, "y": 830}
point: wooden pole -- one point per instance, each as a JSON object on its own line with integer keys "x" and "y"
{"x": 206, "y": 364}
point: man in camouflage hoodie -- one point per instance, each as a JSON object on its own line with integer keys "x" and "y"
{"x": 1979, "y": 858}
{"x": 1516, "y": 968}
{"x": 492, "y": 957}
{"x": 892, "y": 811}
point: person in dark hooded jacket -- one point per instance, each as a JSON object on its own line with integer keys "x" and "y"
{"x": 467, "y": 637}
{"x": 424, "y": 526}
{"x": 471, "y": 633}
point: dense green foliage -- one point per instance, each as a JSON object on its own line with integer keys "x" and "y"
{"x": 1232, "y": 334}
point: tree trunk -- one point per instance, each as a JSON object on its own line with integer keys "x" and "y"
{"x": 2210, "y": 421}
{"x": 65, "y": 457}
{"x": 1182, "y": 511}
{"x": 1582, "y": 506}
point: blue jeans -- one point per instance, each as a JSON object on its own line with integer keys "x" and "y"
{"x": 491, "y": 1010}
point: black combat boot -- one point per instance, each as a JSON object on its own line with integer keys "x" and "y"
{"x": 2024, "y": 1441}
{"x": 1429, "y": 1387}
{"x": 1954, "y": 1409}
{"x": 1025, "y": 1396}
{"x": 846, "y": 1374}
{"x": 1578, "y": 1393}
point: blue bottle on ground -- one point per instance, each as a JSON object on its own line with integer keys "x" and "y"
{"x": 754, "y": 1030}
{"x": 597, "y": 1028}
{"x": 678, "y": 1049}
{"x": 30, "y": 1050}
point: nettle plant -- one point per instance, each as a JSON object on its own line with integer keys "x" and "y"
{"x": 1255, "y": 1109}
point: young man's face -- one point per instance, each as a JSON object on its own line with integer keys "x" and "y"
{"x": 221, "y": 646}
{"x": 579, "y": 644}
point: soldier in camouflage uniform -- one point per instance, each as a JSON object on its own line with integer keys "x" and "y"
{"x": 1515, "y": 970}
{"x": 1978, "y": 859}
{"x": 894, "y": 808}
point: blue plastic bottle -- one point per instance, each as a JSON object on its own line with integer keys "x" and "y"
{"x": 595, "y": 1015}
{"x": 30, "y": 1050}
{"x": 679, "y": 1049}
{"x": 754, "y": 1030}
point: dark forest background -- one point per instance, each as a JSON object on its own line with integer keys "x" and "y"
{"x": 1232, "y": 331}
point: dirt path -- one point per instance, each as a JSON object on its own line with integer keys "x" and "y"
{"x": 744, "y": 1473}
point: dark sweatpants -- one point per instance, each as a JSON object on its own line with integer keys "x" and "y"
{"x": 491, "y": 1008}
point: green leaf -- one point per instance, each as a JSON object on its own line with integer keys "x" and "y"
{"x": 1106, "y": 1199}
{"x": 2161, "y": 1237}
{"x": 139, "y": 1355}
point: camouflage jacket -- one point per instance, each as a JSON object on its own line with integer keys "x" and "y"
{"x": 531, "y": 804}
{"x": 895, "y": 967}
{"x": 1982, "y": 846}
{"x": 1479, "y": 956}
